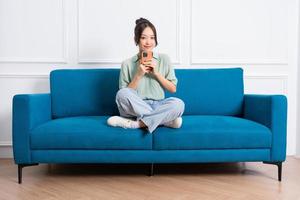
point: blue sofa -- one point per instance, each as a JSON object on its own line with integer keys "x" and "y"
{"x": 220, "y": 123}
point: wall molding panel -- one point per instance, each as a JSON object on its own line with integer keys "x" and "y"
{"x": 26, "y": 76}
{"x": 83, "y": 59}
{"x": 278, "y": 81}
{"x": 219, "y": 27}
{"x": 35, "y": 41}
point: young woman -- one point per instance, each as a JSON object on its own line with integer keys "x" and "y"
{"x": 141, "y": 99}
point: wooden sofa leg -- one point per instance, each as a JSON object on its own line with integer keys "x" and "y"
{"x": 279, "y": 165}
{"x": 20, "y": 167}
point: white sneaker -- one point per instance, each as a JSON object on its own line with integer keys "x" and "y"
{"x": 176, "y": 123}
{"x": 118, "y": 121}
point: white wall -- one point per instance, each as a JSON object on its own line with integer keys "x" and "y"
{"x": 298, "y": 89}
{"x": 38, "y": 36}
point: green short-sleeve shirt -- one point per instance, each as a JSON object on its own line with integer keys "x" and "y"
{"x": 148, "y": 87}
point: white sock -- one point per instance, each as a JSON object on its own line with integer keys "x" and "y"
{"x": 135, "y": 124}
{"x": 123, "y": 122}
{"x": 176, "y": 123}
{"x": 118, "y": 121}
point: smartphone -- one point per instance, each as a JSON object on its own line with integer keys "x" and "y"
{"x": 146, "y": 55}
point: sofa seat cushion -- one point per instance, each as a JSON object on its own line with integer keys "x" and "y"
{"x": 213, "y": 132}
{"x": 88, "y": 132}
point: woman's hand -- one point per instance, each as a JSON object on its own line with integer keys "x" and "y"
{"x": 151, "y": 67}
{"x": 142, "y": 70}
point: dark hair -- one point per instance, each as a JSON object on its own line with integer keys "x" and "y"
{"x": 140, "y": 26}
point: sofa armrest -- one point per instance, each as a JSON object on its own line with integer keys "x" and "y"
{"x": 271, "y": 111}
{"x": 29, "y": 111}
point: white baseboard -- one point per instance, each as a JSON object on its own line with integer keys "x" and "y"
{"x": 297, "y": 156}
{"x": 6, "y": 152}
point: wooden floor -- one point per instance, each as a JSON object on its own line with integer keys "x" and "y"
{"x": 230, "y": 181}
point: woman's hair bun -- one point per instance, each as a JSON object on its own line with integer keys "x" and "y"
{"x": 141, "y": 20}
{"x": 140, "y": 26}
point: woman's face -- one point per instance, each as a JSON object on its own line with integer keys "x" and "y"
{"x": 147, "y": 40}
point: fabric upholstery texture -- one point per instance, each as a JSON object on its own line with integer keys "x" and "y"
{"x": 92, "y": 92}
{"x": 220, "y": 122}
{"x": 213, "y": 132}
{"x": 88, "y": 132}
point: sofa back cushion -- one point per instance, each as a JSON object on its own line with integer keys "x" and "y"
{"x": 78, "y": 92}
{"x": 211, "y": 91}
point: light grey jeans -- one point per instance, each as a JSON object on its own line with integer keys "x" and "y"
{"x": 152, "y": 112}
